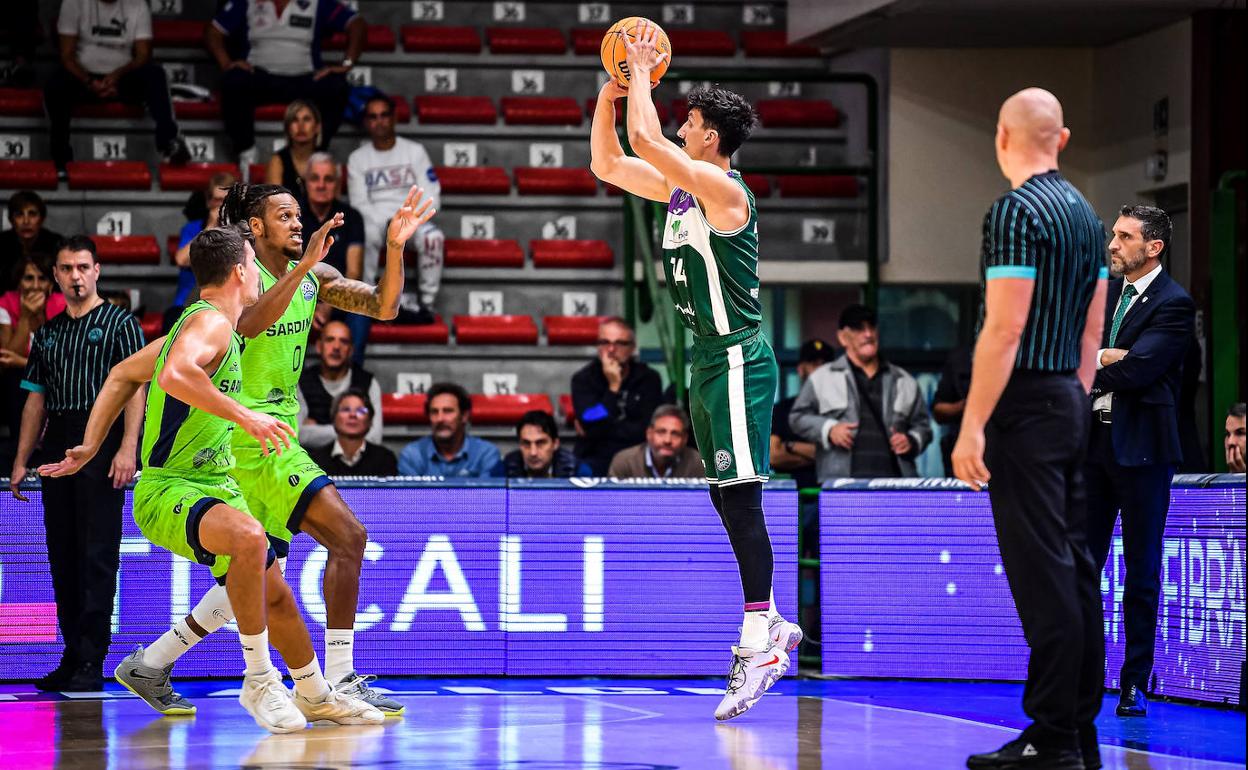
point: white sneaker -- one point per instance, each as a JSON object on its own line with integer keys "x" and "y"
{"x": 268, "y": 702}
{"x": 785, "y": 634}
{"x": 751, "y": 675}
{"x": 339, "y": 707}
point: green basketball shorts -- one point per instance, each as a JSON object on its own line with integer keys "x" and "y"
{"x": 278, "y": 488}
{"x": 168, "y": 510}
{"x": 731, "y": 392}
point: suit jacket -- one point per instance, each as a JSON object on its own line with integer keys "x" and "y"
{"x": 1146, "y": 384}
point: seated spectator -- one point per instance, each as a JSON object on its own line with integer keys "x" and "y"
{"x": 1234, "y": 441}
{"x": 22, "y": 311}
{"x": 347, "y": 251}
{"x": 789, "y": 453}
{"x": 117, "y": 297}
{"x": 27, "y": 214}
{"x": 664, "y": 454}
{"x": 613, "y": 397}
{"x": 351, "y": 453}
{"x": 449, "y": 452}
{"x": 949, "y": 401}
{"x": 270, "y": 51}
{"x": 382, "y": 170}
{"x": 213, "y": 197}
{"x": 106, "y": 55}
{"x": 323, "y": 382}
{"x": 21, "y": 33}
{"x": 867, "y": 417}
{"x": 539, "y": 455}
{"x": 289, "y": 165}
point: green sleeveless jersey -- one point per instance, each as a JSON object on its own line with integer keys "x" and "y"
{"x": 179, "y": 440}
{"x": 274, "y": 360}
{"x": 712, "y": 276}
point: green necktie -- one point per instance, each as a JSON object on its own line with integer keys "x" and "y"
{"x": 1128, "y": 291}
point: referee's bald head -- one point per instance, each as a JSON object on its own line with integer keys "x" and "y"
{"x": 1033, "y": 120}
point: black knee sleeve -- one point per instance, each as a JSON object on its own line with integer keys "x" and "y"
{"x": 740, "y": 507}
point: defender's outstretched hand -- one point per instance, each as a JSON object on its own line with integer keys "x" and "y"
{"x": 75, "y": 458}
{"x": 318, "y": 247}
{"x": 415, "y": 211}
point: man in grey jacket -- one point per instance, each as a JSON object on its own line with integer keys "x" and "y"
{"x": 866, "y": 416}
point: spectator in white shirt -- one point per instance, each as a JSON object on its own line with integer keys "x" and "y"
{"x": 322, "y": 382}
{"x": 106, "y": 55}
{"x": 381, "y": 171}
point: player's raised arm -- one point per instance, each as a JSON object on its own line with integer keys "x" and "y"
{"x": 272, "y": 303}
{"x": 607, "y": 159}
{"x": 382, "y": 300}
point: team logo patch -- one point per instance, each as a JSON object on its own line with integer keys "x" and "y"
{"x": 294, "y": 479}
{"x": 204, "y": 457}
{"x": 723, "y": 460}
{"x": 95, "y": 335}
{"x": 177, "y": 509}
{"x": 276, "y": 396}
{"x": 309, "y": 290}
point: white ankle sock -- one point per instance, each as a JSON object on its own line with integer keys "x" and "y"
{"x": 339, "y": 648}
{"x": 771, "y": 613}
{"x": 754, "y": 632}
{"x": 256, "y": 652}
{"x": 170, "y": 646}
{"x": 213, "y": 610}
{"x": 309, "y": 681}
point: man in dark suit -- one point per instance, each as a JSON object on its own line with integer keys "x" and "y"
{"x": 1135, "y": 445}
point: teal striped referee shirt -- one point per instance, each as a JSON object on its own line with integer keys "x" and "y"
{"x": 1046, "y": 231}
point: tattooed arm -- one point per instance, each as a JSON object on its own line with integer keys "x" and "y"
{"x": 380, "y": 301}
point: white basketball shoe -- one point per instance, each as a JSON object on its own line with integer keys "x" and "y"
{"x": 785, "y": 634}
{"x": 751, "y": 675}
{"x": 339, "y": 707}
{"x": 268, "y": 702}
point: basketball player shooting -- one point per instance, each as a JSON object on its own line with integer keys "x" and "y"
{"x": 710, "y": 250}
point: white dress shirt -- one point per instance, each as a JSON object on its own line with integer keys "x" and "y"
{"x": 1105, "y": 402}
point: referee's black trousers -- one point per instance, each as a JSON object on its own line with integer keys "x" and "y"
{"x": 82, "y": 521}
{"x": 1036, "y": 443}
{"x": 1142, "y": 494}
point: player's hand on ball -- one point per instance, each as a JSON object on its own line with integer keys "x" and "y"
{"x": 318, "y": 248}
{"x": 415, "y": 211}
{"x": 968, "y": 459}
{"x": 75, "y": 459}
{"x": 268, "y": 430}
{"x": 612, "y": 90}
{"x": 643, "y": 54}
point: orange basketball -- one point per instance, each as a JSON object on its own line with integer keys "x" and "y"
{"x": 614, "y": 57}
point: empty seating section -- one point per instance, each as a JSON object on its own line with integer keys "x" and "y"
{"x": 571, "y": 330}
{"x": 192, "y": 176}
{"x": 773, "y": 43}
{"x": 798, "y": 113}
{"x": 572, "y": 253}
{"x": 127, "y": 249}
{"x": 21, "y": 102}
{"x": 32, "y": 174}
{"x": 587, "y": 42}
{"x": 473, "y": 180}
{"x": 495, "y": 330}
{"x": 555, "y": 181}
{"x": 436, "y": 333}
{"x": 420, "y": 38}
{"x": 404, "y": 408}
{"x": 817, "y": 186}
{"x": 526, "y": 40}
{"x": 540, "y": 111}
{"x": 480, "y": 252}
{"x": 463, "y": 110}
{"x": 378, "y": 38}
{"x": 591, "y": 104}
{"x": 109, "y": 175}
{"x": 178, "y": 33}
{"x": 701, "y": 42}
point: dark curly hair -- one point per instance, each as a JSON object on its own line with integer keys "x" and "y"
{"x": 728, "y": 113}
{"x": 245, "y": 201}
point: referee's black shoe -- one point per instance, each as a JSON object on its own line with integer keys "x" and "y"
{"x": 56, "y": 678}
{"x": 1131, "y": 702}
{"x": 1022, "y": 754}
{"x": 86, "y": 677}
{"x": 1089, "y": 747}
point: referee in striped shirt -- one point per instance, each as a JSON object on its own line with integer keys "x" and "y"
{"x": 1026, "y": 426}
{"x": 70, "y": 357}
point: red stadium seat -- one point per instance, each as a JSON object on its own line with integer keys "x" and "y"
{"x": 470, "y": 110}
{"x": 436, "y": 333}
{"x": 817, "y": 186}
{"x": 526, "y": 40}
{"x": 591, "y": 104}
{"x": 178, "y": 33}
{"x": 798, "y": 113}
{"x": 171, "y": 245}
{"x": 773, "y": 43}
{"x": 540, "y": 111}
{"x": 572, "y": 253}
{"x": 420, "y": 38}
{"x": 404, "y": 408}
{"x": 495, "y": 330}
{"x": 587, "y": 42}
{"x": 151, "y": 323}
{"x": 759, "y": 184}
{"x": 30, "y": 174}
{"x": 507, "y": 409}
{"x": 480, "y": 252}
{"x": 209, "y": 110}
{"x": 127, "y": 249}
{"x": 109, "y": 111}
{"x": 572, "y": 329}
{"x": 680, "y": 111}
{"x": 701, "y": 42}
{"x": 192, "y": 176}
{"x": 109, "y": 175}
{"x": 21, "y": 102}
{"x": 566, "y": 409}
{"x": 555, "y": 181}
{"x": 257, "y": 171}
{"x": 379, "y": 38}
{"x": 473, "y": 180}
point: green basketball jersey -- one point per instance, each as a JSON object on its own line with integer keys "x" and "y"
{"x": 274, "y": 360}
{"x": 183, "y": 441}
{"x": 712, "y": 276}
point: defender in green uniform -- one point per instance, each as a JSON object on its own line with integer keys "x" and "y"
{"x": 290, "y": 493}
{"x": 710, "y": 260}
{"x": 186, "y": 502}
